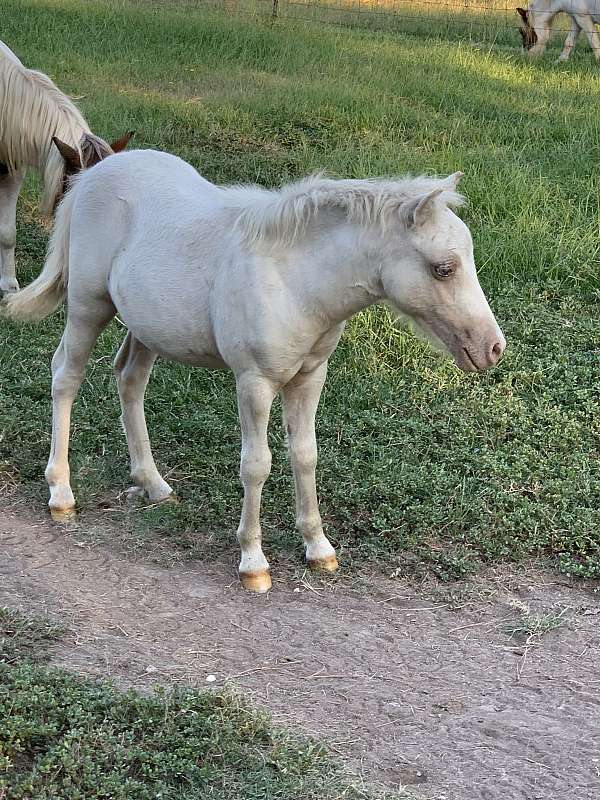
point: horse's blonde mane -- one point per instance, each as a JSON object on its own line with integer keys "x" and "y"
{"x": 32, "y": 111}
{"x": 284, "y": 214}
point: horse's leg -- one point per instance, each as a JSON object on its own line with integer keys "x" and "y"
{"x": 570, "y": 40}
{"x": 133, "y": 366}
{"x": 68, "y": 366}
{"x": 586, "y": 24}
{"x": 255, "y": 396}
{"x": 543, "y": 31}
{"x": 300, "y": 401}
{"x": 10, "y": 186}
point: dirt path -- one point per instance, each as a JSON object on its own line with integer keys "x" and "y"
{"x": 409, "y": 688}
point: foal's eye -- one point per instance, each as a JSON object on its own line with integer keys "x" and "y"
{"x": 444, "y": 269}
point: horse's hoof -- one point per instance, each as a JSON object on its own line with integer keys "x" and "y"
{"x": 137, "y": 494}
{"x": 329, "y": 564}
{"x": 133, "y": 494}
{"x": 171, "y": 498}
{"x": 259, "y": 581}
{"x": 63, "y": 514}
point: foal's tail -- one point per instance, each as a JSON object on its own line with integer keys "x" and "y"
{"x": 48, "y": 290}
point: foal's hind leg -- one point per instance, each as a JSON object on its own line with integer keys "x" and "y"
{"x": 300, "y": 401}
{"x": 10, "y": 186}
{"x": 68, "y": 366}
{"x": 133, "y": 366}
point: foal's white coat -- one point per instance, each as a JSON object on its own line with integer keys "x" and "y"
{"x": 256, "y": 281}
{"x": 538, "y": 16}
{"x": 32, "y": 111}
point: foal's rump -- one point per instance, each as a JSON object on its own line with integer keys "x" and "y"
{"x": 138, "y": 231}
{"x": 151, "y": 250}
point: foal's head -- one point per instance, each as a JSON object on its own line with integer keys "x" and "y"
{"x": 528, "y": 34}
{"x": 92, "y": 149}
{"x": 430, "y": 277}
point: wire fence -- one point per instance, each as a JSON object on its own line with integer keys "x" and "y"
{"x": 480, "y": 21}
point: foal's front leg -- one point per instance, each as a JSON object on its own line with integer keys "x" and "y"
{"x": 255, "y": 396}
{"x": 300, "y": 401}
{"x": 543, "y": 31}
{"x": 10, "y": 186}
{"x": 570, "y": 40}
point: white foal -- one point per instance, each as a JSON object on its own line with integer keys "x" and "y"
{"x": 259, "y": 282}
{"x": 535, "y": 24}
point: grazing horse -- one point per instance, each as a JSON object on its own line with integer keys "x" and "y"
{"x": 256, "y": 281}
{"x": 33, "y": 111}
{"x": 536, "y": 19}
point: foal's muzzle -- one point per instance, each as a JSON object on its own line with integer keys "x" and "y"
{"x": 473, "y": 355}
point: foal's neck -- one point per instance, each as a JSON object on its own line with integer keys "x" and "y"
{"x": 338, "y": 272}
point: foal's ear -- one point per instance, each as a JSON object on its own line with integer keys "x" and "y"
{"x": 122, "y": 142}
{"x": 416, "y": 212}
{"x": 70, "y": 156}
{"x": 523, "y": 13}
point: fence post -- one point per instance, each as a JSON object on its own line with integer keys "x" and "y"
{"x": 275, "y": 10}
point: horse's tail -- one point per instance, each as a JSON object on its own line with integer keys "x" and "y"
{"x": 48, "y": 290}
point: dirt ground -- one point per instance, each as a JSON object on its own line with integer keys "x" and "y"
{"x": 490, "y": 690}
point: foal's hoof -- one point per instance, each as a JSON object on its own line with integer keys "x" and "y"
{"x": 259, "y": 581}
{"x": 170, "y": 498}
{"x": 63, "y": 514}
{"x": 136, "y": 494}
{"x": 328, "y": 564}
{"x": 9, "y": 286}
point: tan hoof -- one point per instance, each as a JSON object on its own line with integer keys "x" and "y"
{"x": 329, "y": 564}
{"x": 63, "y": 514}
{"x": 170, "y": 498}
{"x": 259, "y": 582}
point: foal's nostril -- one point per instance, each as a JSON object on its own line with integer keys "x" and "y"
{"x": 497, "y": 350}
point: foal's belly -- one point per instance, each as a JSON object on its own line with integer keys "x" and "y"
{"x": 170, "y": 318}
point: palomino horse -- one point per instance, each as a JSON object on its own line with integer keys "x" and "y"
{"x": 259, "y": 282}
{"x": 33, "y": 111}
{"x": 536, "y": 20}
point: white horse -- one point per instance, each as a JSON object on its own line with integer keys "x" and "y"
{"x": 259, "y": 282}
{"x": 32, "y": 112}
{"x": 536, "y": 20}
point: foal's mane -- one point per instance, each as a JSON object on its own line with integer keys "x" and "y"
{"x": 32, "y": 111}
{"x": 282, "y": 215}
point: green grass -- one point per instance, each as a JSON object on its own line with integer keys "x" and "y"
{"x": 69, "y": 738}
{"x": 421, "y": 467}
{"x": 531, "y": 627}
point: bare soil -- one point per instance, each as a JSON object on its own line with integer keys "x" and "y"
{"x": 456, "y": 688}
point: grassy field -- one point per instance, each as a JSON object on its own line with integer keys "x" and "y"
{"x": 421, "y": 467}
{"x": 68, "y": 738}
